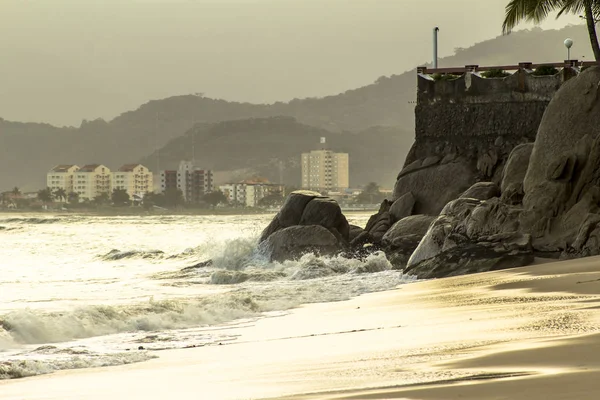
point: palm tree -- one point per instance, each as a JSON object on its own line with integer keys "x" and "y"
{"x": 538, "y": 10}
{"x": 45, "y": 195}
{"x": 16, "y": 192}
{"x": 60, "y": 194}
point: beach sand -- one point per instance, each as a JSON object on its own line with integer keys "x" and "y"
{"x": 527, "y": 333}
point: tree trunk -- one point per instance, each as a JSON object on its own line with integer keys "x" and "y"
{"x": 591, "y": 25}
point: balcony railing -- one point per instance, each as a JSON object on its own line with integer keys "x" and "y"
{"x": 521, "y": 65}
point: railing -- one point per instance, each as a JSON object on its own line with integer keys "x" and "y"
{"x": 521, "y": 65}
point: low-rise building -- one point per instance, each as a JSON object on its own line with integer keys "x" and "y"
{"x": 91, "y": 181}
{"x": 249, "y": 193}
{"x": 62, "y": 177}
{"x": 136, "y": 179}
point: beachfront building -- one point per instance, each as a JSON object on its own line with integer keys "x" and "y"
{"x": 91, "y": 181}
{"x": 324, "y": 170}
{"x": 193, "y": 181}
{"x": 136, "y": 179}
{"x": 62, "y": 177}
{"x": 250, "y": 192}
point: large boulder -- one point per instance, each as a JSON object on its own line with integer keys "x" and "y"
{"x": 292, "y": 242}
{"x": 380, "y": 223}
{"x": 467, "y": 257}
{"x": 307, "y": 222}
{"x": 401, "y": 240}
{"x": 471, "y": 236}
{"x": 402, "y": 207}
{"x": 482, "y": 191}
{"x": 573, "y": 113}
{"x": 435, "y": 185}
{"x": 514, "y": 173}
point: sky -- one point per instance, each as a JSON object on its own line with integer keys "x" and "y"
{"x": 62, "y": 61}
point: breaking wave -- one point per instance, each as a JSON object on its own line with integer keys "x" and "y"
{"x": 115, "y": 254}
{"x": 55, "y": 359}
{"x": 251, "y": 293}
{"x": 33, "y": 221}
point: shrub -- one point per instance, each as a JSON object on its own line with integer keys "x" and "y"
{"x": 545, "y": 70}
{"x": 444, "y": 77}
{"x": 495, "y": 73}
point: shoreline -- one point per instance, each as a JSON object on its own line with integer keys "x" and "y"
{"x": 157, "y": 213}
{"x": 503, "y": 334}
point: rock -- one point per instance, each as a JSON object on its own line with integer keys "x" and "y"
{"x": 432, "y": 160}
{"x": 514, "y": 174}
{"x": 471, "y": 236}
{"x": 292, "y": 242}
{"x": 435, "y": 186}
{"x": 325, "y": 212}
{"x": 573, "y": 113}
{"x": 379, "y": 223}
{"x": 402, "y": 207}
{"x": 472, "y": 257}
{"x": 401, "y": 240}
{"x": 354, "y": 231}
{"x": 290, "y": 213}
{"x": 482, "y": 191}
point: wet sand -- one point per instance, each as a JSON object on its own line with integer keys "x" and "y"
{"x": 527, "y": 333}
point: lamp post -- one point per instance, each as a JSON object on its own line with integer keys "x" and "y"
{"x": 568, "y": 45}
{"x": 435, "y": 47}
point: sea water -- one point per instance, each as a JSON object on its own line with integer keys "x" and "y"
{"x": 90, "y": 291}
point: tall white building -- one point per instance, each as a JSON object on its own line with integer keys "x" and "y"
{"x": 91, "y": 181}
{"x": 136, "y": 179}
{"x": 62, "y": 177}
{"x": 324, "y": 171}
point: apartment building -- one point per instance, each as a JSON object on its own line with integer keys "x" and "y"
{"x": 249, "y": 193}
{"x": 136, "y": 179}
{"x": 193, "y": 181}
{"x": 62, "y": 177}
{"x": 91, "y": 181}
{"x": 325, "y": 171}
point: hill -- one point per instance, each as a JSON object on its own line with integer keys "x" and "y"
{"x": 271, "y": 147}
{"x": 29, "y": 150}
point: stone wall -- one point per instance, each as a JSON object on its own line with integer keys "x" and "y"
{"x": 465, "y": 129}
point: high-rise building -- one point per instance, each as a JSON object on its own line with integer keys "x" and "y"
{"x": 191, "y": 180}
{"x": 324, "y": 171}
{"x": 134, "y": 178}
{"x": 91, "y": 181}
{"x": 62, "y": 177}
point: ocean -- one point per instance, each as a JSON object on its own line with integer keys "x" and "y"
{"x": 89, "y": 291}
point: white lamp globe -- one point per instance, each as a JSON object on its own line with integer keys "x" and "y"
{"x": 568, "y": 43}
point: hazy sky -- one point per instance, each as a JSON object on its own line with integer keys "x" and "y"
{"x": 65, "y": 60}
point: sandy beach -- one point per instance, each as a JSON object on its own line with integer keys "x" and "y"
{"x": 527, "y": 333}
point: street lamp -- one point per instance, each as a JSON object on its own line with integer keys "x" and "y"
{"x": 568, "y": 45}
{"x": 435, "y": 47}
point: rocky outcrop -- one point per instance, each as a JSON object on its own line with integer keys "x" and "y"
{"x": 463, "y": 206}
{"x": 291, "y": 243}
{"x": 307, "y": 222}
{"x": 401, "y": 240}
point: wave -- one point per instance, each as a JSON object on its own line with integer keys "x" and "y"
{"x": 253, "y": 294}
{"x": 32, "y": 220}
{"x": 55, "y": 359}
{"x": 115, "y": 254}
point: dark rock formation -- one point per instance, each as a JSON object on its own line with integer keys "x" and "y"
{"x": 482, "y": 191}
{"x": 294, "y": 241}
{"x": 514, "y": 174}
{"x": 435, "y": 185}
{"x": 403, "y": 207}
{"x": 401, "y": 240}
{"x": 379, "y": 223}
{"x": 307, "y": 222}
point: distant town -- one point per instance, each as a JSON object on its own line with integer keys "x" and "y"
{"x": 69, "y": 186}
